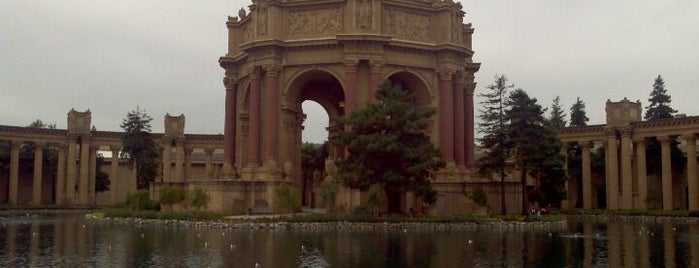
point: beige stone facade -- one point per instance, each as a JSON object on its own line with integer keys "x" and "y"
{"x": 72, "y": 182}
{"x": 626, "y": 183}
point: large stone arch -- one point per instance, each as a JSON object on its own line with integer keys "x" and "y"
{"x": 282, "y": 53}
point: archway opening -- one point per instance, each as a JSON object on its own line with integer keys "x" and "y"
{"x": 318, "y": 96}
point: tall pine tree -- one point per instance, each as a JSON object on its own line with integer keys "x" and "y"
{"x": 537, "y": 149}
{"x": 495, "y": 141}
{"x": 139, "y": 147}
{"x": 557, "y": 116}
{"x": 659, "y": 108}
{"x": 578, "y": 116}
{"x": 659, "y": 102}
{"x": 388, "y": 147}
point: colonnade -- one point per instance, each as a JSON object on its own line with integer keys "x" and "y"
{"x": 626, "y": 177}
{"x": 75, "y": 170}
{"x": 181, "y": 169}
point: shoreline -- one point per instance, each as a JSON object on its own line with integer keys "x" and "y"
{"x": 337, "y": 225}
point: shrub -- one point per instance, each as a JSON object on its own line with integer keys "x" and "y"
{"x": 328, "y": 191}
{"x": 170, "y": 196}
{"x": 375, "y": 198}
{"x": 198, "y": 198}
{"x": 141, "y": 201}
{"x": 478, "y": 196}
{"x": 287, "y": 198}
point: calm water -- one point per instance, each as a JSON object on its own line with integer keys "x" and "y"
{"x": 70, "y": 240}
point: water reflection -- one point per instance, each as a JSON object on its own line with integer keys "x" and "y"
{"x": 70, "y": 240}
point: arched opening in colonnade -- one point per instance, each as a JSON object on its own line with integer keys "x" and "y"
{"x": 322, "y": 94}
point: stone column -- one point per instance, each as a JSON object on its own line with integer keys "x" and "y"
{"x": 114, "y": 174}
{"x": 14, "y": 172}
{"x": 229, "y": 132}
{"x": 254, "y": 119}
{"x": 179, "y": 161}
{"x": 38, "y": 170}
{"x": 612, "y": 168}
{"x": 271, "y": 120}
{"x": 71, "y": 172}
{"x": 92, "y": 179}
{"x": 626, "y": 176}
{"x": 586, "y": 175}
{"x": 446, "y": 114}
{"x": 84, "y": 171}
{"x": 167, "y": 162}
{"x": 376, "y": 69}
{"x": 187, "y": 163}
{"x": 61, "y": 174}
{"x": 692, "y": 180}
{"x": 469, "y": 131}
{"x": 566, "y": 203}
{"x": 459, "y": 119}
{"x": 667, "y": 172}
{"x": 642, "y": 177}
{"x": 209, "y": 162}
{"x": 351, "y": 86}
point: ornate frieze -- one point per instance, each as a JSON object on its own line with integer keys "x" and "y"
{"x": 314, "y": 22}
{"x": 405, "y": 24}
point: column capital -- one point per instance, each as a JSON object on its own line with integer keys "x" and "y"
{"x": 94, "y": 148}
{"x": 376, "y": 66}
{"x": 16, "y": 144}
{"x": 663, "y": 139}
{"x": 230, "y": 82}
{"x": 39, "y": 144}
{"x": 351, "y": 65}
{"x": 271, "y": 69}
{"x": 445, "y": 73}
{"x": 585, "y": 144}
{"x": 254, "y": 73}
{"x": 470, "y": 88}
{"x": 209, "y": 150}
{"x": 188, "y": 150}
{"x": 114, "y": 148}
{"x": 639, "y": 140}
{"x": 625, "y": 131}
{"x": 690, "y": 138}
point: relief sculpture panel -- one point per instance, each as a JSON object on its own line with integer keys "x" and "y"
{"x": 405, "y": 24}
{"x": 314, "y": 22}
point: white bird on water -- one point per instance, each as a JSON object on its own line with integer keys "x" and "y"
{"x": 257, "y": 265}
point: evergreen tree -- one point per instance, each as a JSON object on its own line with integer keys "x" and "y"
{"x": 388, "y": 146}
{"x": 557, "y": 116}
{"x": 659, "y": 102}
{"x": 139, "y": 147}
{"x": 578, "y": 116}
{"x": 537, "y": 149}
{"x": 495, "y": 141}
{"x": 659, "y": 108}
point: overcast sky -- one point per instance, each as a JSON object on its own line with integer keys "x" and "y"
{"x": 112, "y": 56}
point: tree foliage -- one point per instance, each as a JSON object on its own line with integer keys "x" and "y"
{"x": 170, "y": 196}
{"x": 139, "y": 147}
{"x": 557, "y": 116}
{"x": 659, "y": 102}
{"x": 198, "y": 198}
{"x": 313, "y": 158}
{"x": 659, "y": 108}
{"x": 537, "y": 149}
{"x": 495, "y": 141}
{"x": 388, "y": 146}
{"x": 578, "y": 116}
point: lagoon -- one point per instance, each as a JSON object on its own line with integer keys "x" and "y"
{"x": 36, "y": 239}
